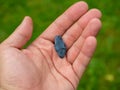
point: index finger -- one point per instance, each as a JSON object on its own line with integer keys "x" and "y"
{"x": 63, "y": 22}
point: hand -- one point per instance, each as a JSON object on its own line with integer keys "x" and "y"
{"x": 38, "y": 67}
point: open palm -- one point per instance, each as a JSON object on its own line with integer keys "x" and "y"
{"x": 38, "y": 67}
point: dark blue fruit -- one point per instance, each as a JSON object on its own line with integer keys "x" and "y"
{"x": 60, "y": 46}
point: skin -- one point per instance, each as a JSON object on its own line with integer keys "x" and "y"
{"x": 38, "y": 66}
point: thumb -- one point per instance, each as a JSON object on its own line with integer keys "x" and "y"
{"x": 21, "y": 35}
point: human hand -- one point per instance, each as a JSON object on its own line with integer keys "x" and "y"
{"x": 38, "y": 67}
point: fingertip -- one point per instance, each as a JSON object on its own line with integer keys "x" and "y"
{"x": 96, "y": 12}
{"x": 97, "y": 22}
{"x": 89, "y": 46}
{"x": 28, "y": 18}
{"x": 82, "y": 4}
{"x": 90, "y": 41}
{"x": 77, "y": 10}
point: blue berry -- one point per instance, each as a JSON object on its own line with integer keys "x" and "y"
{"x": 60, "y": 46}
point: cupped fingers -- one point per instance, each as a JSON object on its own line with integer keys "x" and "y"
{"x": 74, "y": 32}
{"x": 91, "y": 29}
{"x": 64, "y": 21}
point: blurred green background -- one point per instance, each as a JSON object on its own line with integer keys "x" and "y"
{"x": 103, "y": 73}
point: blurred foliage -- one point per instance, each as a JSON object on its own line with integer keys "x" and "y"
{"x": 103, "y": 73}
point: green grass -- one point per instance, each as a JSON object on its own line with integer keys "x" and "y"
{"x": 103, "y": 73}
